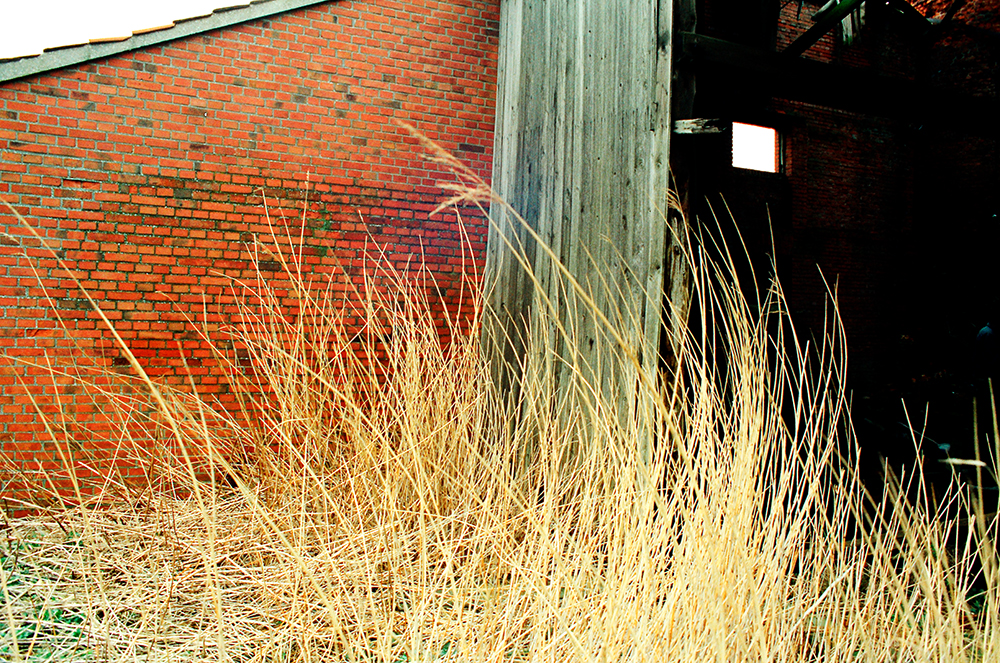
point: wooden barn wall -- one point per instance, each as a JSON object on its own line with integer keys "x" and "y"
{"x": 581, "y": 153}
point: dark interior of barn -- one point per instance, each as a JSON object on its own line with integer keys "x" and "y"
{"x": 887, "y": 180}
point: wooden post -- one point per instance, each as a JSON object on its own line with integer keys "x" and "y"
{"x": 582, "y": 152}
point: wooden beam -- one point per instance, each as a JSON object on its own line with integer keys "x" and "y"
{"x": 701, "y": 126}
{"x": 824, "y": 21}
{"x": 952, "y": 10}
{"x": 836, "y": 86}
{"x": 770, "y": 13}
{"x": 907, "y": 12}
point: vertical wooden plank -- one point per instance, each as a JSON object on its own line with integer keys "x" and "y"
{"x": 504, "y": 238}
{"x": 661, "y": 122}
{"x": 582, "y": 151}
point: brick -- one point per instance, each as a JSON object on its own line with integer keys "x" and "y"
{"x": 124, "y": 157}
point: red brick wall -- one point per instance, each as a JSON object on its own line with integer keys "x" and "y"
{"x": 900, "y": 209}
{"x": 844, "y": 201}
{"x": 901, "y": 212}
{"x": 147, "y": 171}
{"x": 851, "y": 185}
{"x": 852, "y": 190}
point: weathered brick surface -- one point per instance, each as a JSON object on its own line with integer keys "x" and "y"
{"x": 852, "y": 185}
{"x": 843, "y": 202}
{"x": 147, "y": 173}
{"x": 899, "y": 210}
{"x": 863, "y": 195}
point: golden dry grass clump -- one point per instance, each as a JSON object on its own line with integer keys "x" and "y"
{"x": 420, "y": 516}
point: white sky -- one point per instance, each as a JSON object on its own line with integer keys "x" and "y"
{"x": 28, "y": 26}
{"x": 755, "y": 147}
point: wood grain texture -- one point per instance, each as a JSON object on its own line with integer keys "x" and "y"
{"x": 581, "y": 152}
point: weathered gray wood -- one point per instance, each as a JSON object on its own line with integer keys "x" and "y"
{"x": 582, "y": 153}
{"x": 701, "y": 126}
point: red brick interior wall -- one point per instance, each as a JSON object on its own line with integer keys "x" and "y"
{"x": 898, "y": 209}
{"x": 852, "y": 186}
{"x": 843, "y": 202}
{"x": 147, "y": 173}
{"x": 877, "y": 201}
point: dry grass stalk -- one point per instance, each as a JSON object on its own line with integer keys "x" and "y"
{"x": 411, "y": 516}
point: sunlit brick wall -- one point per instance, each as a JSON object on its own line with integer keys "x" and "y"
{"x": 147, "y": 173}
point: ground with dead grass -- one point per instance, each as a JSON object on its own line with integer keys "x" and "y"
{"x": 346, "y": 516}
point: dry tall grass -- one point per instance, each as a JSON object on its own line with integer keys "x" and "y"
{"x": 415, "y": 518}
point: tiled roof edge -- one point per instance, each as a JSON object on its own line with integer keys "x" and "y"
{"x": 66, "y": 57}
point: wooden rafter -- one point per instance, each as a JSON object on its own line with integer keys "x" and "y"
{"x": 824, "y": 22}
{"x": 910, "y": 14}
{"x": 953, "y": 9}
{"x": 833, "y": 85}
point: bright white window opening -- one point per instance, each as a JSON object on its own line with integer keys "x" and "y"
{"x": 755, "y": 148}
